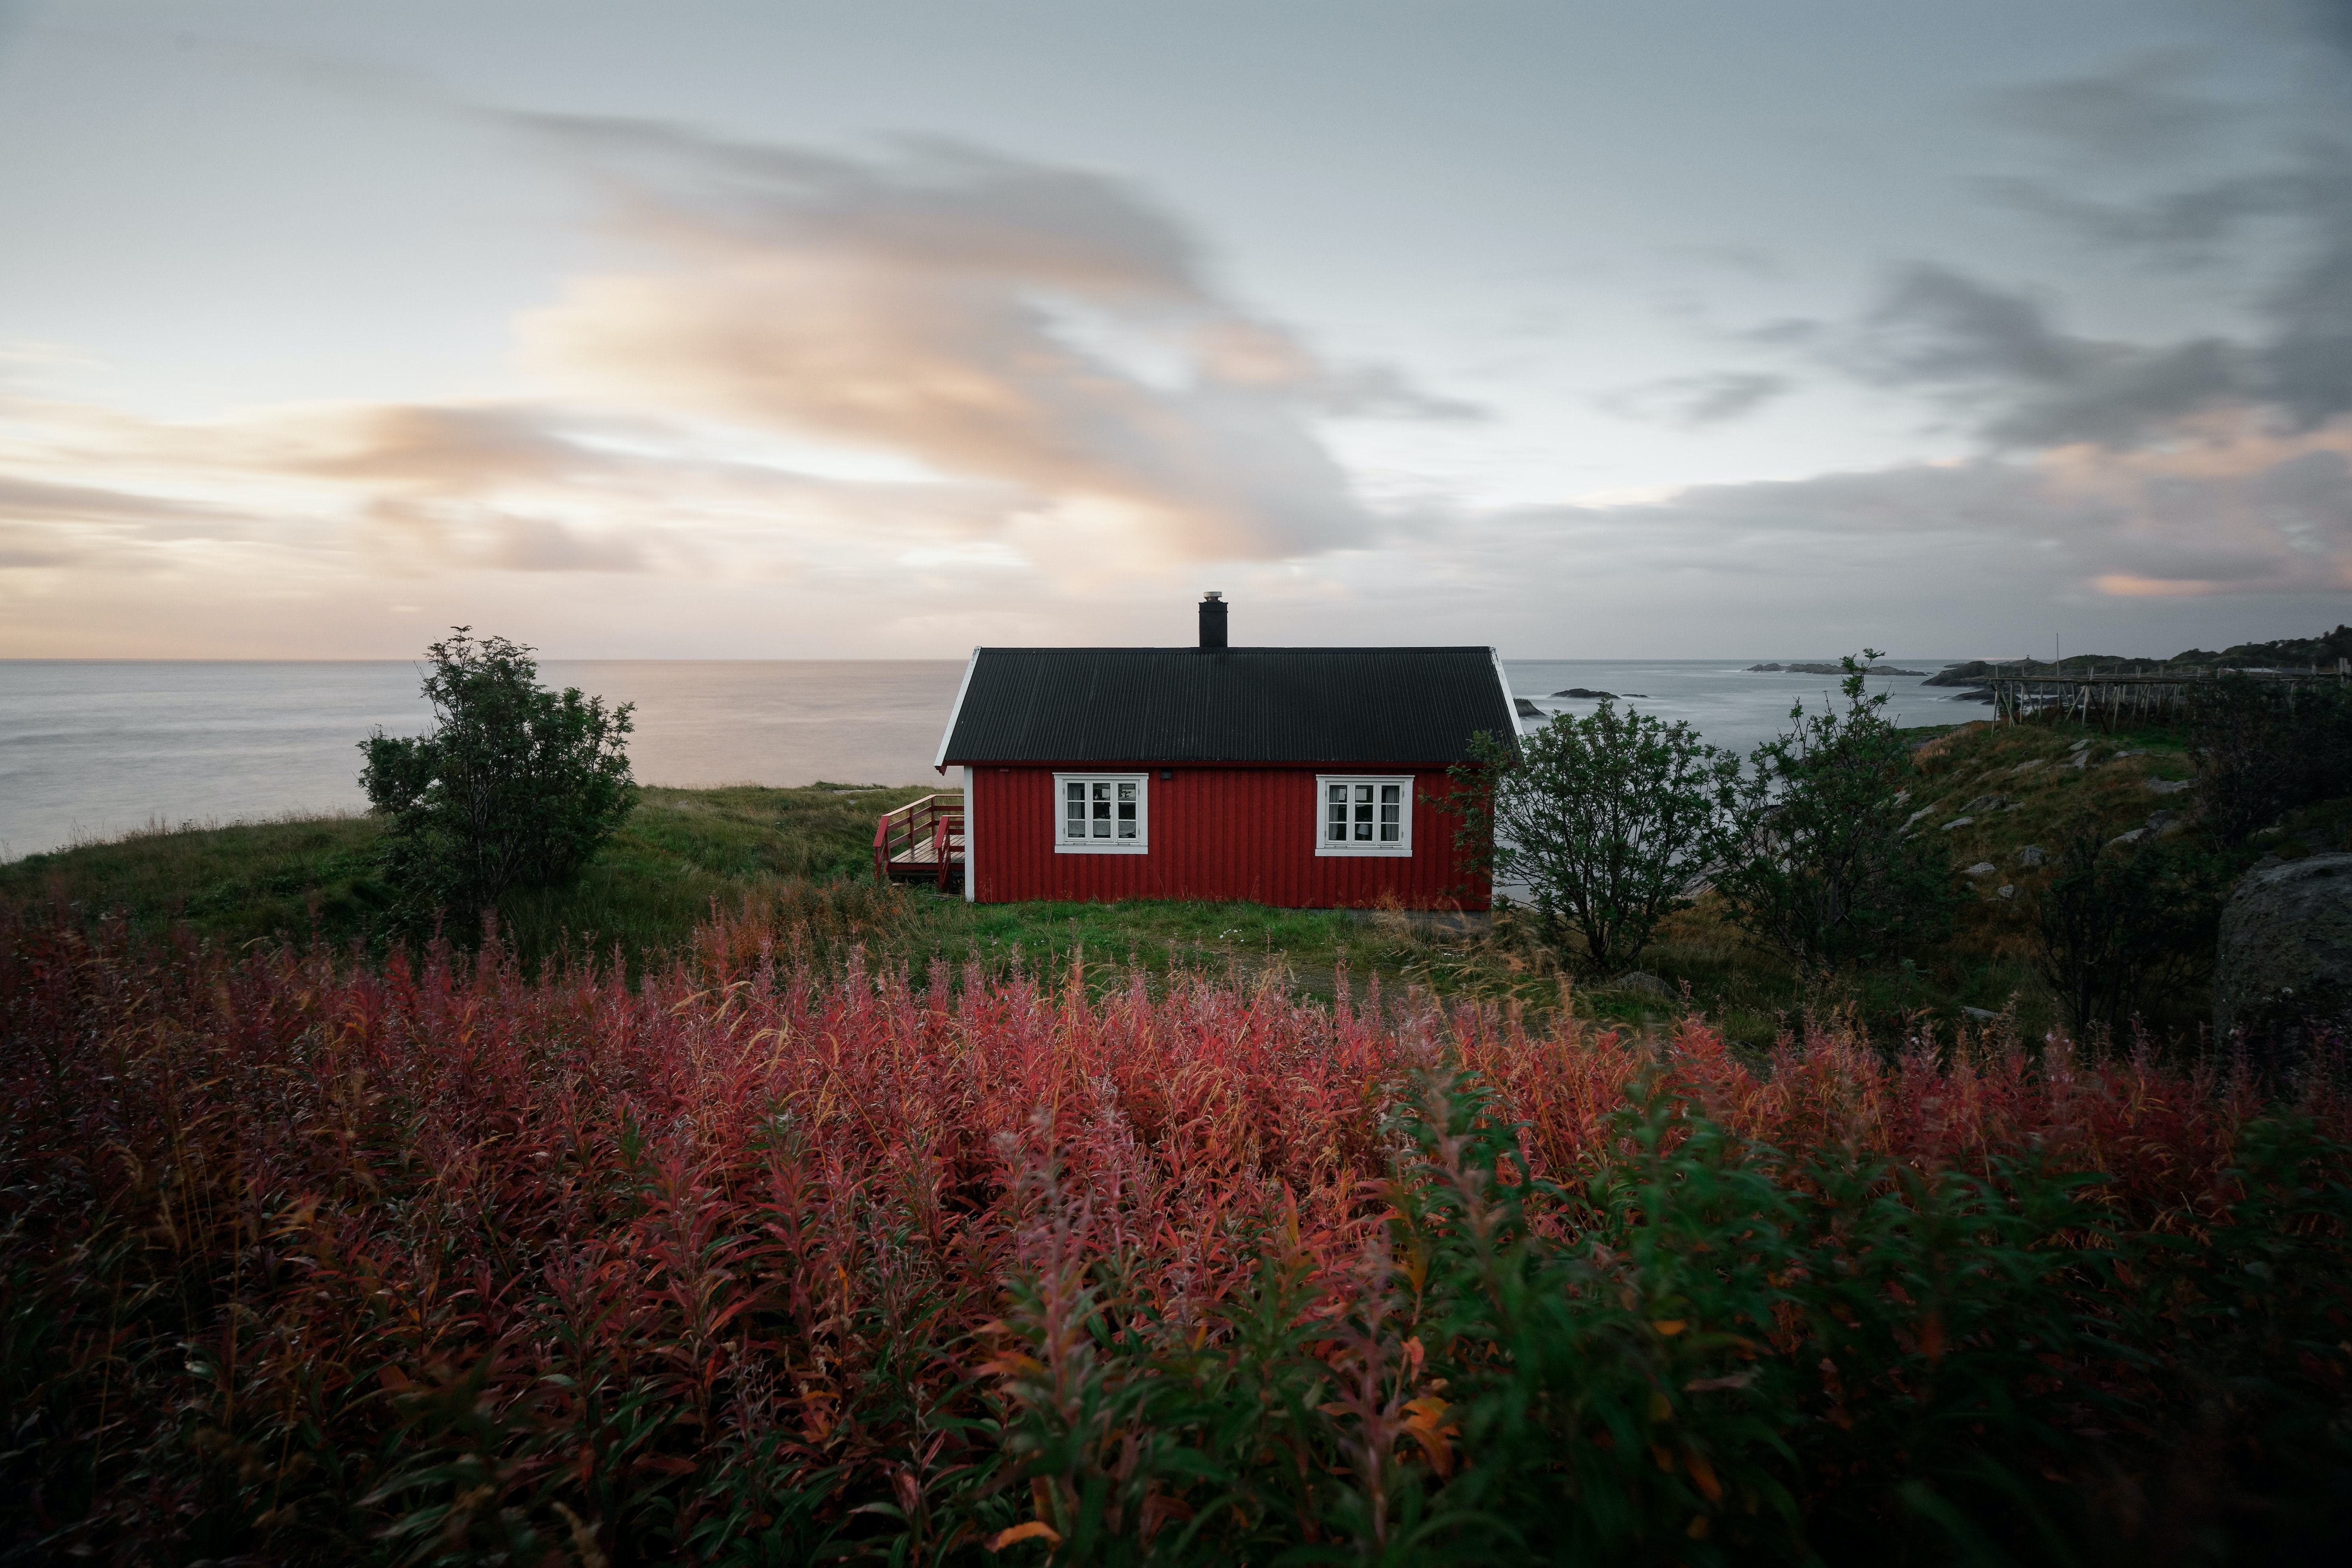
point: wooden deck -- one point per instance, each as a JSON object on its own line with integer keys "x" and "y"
{"x": 922, "y": 841}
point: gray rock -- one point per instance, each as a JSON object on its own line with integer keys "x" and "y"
{"x": 1915, "y": 816}
{"x": 1817, "y": 667}
{"x": 2029, "y": 767}
{"x": 1585, "y": 691}
{"x": 2133, "y": 837}
{"x": 2031, "y": 855}
{"x": 1647, "y": 983}
{"x": 2168, "y": 786}
{"x": 1981, "y": 868}
{"x": 2006, "y": 890}
{"x": 1958, "y": 821}
{"x": 1981, "y": 1014}
{"x": 1527, "y": 710}
{"x": 2284, "y": 972}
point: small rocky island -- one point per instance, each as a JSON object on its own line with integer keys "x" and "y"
{"x": 1826, "y": 670}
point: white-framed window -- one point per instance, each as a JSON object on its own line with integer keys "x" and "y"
{"x": 1102, "y": 814}
{"x": 1363, "y": 813}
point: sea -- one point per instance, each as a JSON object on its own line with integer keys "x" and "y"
{"x": 92, "y": 749}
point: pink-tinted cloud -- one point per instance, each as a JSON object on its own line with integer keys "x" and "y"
{"x": 1042, "y": 328}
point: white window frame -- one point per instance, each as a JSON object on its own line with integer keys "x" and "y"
{"x": 1326, "y": 845}
{"x": 1139, "y": 845}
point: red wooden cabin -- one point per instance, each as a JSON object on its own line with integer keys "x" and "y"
{"x": 1290, "y": 776}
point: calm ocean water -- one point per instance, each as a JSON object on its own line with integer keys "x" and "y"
{"x": 94, "y": 749}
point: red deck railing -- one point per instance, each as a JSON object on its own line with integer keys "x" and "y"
{"x": 922, "y": 841}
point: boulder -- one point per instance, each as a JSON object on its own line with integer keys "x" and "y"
{"x": 1958, "y": 821}
{"x": 2283, "y": 970}
{"x": 1981, "y": 868}
{"x": 1585, "y": 691}
{"x": 1527, "y": 710}
{"x": 1647, "y": 983}
{"x": 2168, "y": 786}
{"x": 2030, "y": 856}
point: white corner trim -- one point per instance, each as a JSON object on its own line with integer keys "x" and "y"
{"x": 969, "y": 895}
{"x": 940, "y": 763}
{"x": 1350, "y": 849}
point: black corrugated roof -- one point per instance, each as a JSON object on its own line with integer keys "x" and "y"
{"x": 1230, "y": 705}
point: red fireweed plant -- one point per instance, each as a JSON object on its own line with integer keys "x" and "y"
{"x": 774, "y": 1256}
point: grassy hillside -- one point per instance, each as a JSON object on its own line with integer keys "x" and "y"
{"x": 1992, "y": 793}
{"x": 681, "y": 850}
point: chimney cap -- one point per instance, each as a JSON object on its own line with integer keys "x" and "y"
{"x": 1212, "y": 593}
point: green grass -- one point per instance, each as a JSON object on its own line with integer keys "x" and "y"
{"x": 686, "y": 851}
{"x": 680, "y": 850}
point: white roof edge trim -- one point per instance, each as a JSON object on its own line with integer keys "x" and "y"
{"x": 1510, "y": 705}
{"x": 940, "y": 763}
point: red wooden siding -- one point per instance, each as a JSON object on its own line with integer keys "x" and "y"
{"x": 1234, "y": 833}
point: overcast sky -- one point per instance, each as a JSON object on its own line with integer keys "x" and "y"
{"x": 772, "y": 329}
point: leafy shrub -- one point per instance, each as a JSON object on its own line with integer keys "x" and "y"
{"x": 1816, "y": 861}
{"x": 2265, "y": 747}
{"x": 2123, "y": 925}
{"x": 516, "y": 786}
{"x": 1607, "y": 819}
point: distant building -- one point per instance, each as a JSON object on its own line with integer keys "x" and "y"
{"x": 1290, "y": 776}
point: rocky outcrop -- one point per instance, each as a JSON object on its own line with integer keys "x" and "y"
{"x": 1585, "y": 691}
{"x": 2283, "y": 972}
{"x": 1827, "y": 669}
{"x": 1527, "y": 710}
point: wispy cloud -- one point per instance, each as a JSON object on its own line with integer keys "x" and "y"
{"x": 1044, "y": 328}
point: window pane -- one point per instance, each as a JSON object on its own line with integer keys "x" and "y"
{"x": 1336, "y": 825}
{"x": 1127, "y": 791}
{"x": 1392, "y": 813}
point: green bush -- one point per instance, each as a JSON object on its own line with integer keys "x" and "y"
{"x": 516, "y": 787}
{"x": 1814, "y": 859}
{"x": 2122, "y": 925}
{"x": 2265, "y": 747}
{"x": 1607, "y": 819}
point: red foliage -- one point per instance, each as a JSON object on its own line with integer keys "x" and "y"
{"x": 592, "y": 1240}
